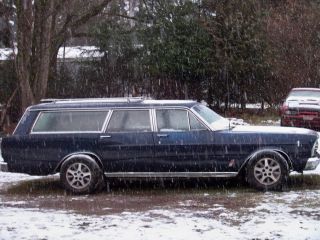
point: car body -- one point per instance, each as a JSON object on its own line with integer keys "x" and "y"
{"x": 87, "y": 140}
{"x": 302, "y": 108}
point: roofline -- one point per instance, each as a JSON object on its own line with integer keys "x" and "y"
{"x": 308, "y": 89}
{"x": 90, "y": 103}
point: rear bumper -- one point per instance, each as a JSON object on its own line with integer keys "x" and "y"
{"x": 312, "y": 163}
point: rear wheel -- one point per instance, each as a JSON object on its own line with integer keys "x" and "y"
{"x": 267, "y": 171}
{"x": 81, "y": 174}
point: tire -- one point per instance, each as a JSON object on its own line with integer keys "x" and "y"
{"x": 267, "y": 170}
{"x": 80, "y": 174}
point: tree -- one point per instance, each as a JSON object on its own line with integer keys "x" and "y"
{"x": 239, "y": 42}
{"x": 43, "y": 26}
{"x": 294, "y": 45}
{"x": 179, "y": 47}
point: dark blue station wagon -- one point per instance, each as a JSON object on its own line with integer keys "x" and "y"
{"x": 90, "y": 140}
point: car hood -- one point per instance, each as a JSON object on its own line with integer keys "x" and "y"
{"x": 273, "y": 129}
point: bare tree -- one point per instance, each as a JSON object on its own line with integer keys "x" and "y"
{"x": 43, "y": 26}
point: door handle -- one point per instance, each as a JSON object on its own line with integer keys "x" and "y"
{"x": 105, "y": 136}
{"x": 162, "y": 135}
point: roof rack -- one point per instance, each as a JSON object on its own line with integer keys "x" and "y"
{"x": 107, "y": 100}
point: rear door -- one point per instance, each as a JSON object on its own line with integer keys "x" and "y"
{"x": 127, "y": 144}
{"x": 182, "y": 142}
{"x": 58, "y": 133}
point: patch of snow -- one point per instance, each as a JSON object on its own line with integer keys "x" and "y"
{"x": 271, "y": 219}
{"x": 271, "y": 122}
{"x": 237, "y": 121}
{"x": 76, "y": 52}
{"x": 79, "y": 52}
{"x": 9, "y": 177}
{"x": 276, "y": 215}
{"x": 6, "y": 54}
{"x": 248, "y": 105}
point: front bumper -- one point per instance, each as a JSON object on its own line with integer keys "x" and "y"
{"x": 312, "y": 163}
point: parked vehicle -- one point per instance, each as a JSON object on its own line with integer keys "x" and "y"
{"x": 302, "y": 108}
{"x": 89, "y": 141}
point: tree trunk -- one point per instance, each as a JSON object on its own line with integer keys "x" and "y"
{"x": 24, "y": 42}
{"x": 39, "y": 36}
{"x": 43, "y": 22}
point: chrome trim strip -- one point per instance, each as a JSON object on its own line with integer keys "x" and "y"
{"x": 169, "y": 174}
{"x": 154, "y": 120}
{"x": 188, "y": 120}
{"x": 75, "y": 132}
{"x": 106, "y": 123}
{"x": 151, "y": 120}
{"x": 107, "y": 108}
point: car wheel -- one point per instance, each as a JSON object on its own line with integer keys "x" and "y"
{"x": 267, "y": 171}
{"x": 81, "y": 174}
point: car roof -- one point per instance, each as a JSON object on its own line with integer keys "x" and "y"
{"x": 305, "y": 89}
{"x": 80, "y": 103}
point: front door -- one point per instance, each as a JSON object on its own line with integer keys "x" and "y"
{"x": 182, "y": 143}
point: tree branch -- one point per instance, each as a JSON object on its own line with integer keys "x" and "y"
{"x": 73, "y": 22}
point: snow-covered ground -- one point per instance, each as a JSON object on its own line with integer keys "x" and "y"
{"x": 236, "y": 213}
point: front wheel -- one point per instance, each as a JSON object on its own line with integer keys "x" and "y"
{"x": 81, "y": 174}
{"x": 267, "y": 171}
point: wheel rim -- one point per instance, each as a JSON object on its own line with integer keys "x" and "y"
{"x": 78, "y": 175}
{"x": 267, "y": 171}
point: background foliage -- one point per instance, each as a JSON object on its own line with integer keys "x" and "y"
{"x": 222, "y": 52}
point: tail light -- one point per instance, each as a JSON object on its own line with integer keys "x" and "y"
{"x": 284, "y": 108}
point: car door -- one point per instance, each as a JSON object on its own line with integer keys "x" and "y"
{"x": 55, "y": 134}
{"x": 182, "y": 142}
{"x": 127, "y": 144}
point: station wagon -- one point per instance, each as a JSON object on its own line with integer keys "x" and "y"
{"x": 89, "y": 141}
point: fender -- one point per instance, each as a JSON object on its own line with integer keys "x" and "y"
{"x": 278, "y": 150}
{"x": 90, "y": 154}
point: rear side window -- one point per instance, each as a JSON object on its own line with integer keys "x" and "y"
{"x": 129, "y": 121}
{"x": 70, "y": 121}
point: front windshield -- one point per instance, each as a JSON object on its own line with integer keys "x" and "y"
{"x": 305, "y": 93}
{"x": 212, "y": 118}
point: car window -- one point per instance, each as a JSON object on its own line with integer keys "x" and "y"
{"x": 305, "y": 93}
{"x": 70, "y": 121}
{"x": 195, "y": 124}
{"x": 172, "y": 120}
{"x": 129, "y": 121}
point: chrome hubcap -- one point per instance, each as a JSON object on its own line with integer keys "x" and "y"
{"x": 78, "y": 175}
{"x": 267, "y": 171}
